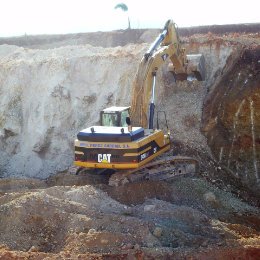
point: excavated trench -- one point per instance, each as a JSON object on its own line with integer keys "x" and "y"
{"x": 48, "y": 94}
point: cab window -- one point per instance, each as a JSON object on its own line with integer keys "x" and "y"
{"x": 124, "y": 115}
{"x": 109, "y": 119}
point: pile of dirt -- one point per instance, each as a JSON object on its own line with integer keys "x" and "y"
{"x": 147, "y": 219}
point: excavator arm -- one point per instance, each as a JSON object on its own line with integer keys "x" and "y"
{"x": 166, "y": 47}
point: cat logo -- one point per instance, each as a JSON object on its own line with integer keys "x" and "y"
{"x": 104, "y": 158}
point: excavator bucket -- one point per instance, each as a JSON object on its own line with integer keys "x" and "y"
{"x": 196, "y": 66}
{"x": 195, "y": 69}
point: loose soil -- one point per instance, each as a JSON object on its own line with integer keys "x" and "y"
{"x": 71, "y": 217}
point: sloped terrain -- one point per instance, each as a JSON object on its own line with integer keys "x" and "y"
{"x": 182, "y": 218}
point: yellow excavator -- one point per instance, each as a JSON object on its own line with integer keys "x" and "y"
{"x": 126, "y": 140}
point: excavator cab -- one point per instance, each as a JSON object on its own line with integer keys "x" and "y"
{"x": 114, "y": 116}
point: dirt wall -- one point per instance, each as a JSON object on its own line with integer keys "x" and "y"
{"x": 47, "y": 96}
{"x": 231, "y": 117}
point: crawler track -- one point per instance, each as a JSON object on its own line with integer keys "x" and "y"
{"x": 161, "y": 169}
{"x": 166, "y": 168}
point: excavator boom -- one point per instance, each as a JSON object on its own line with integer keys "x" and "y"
{"x": 166, "y": 48}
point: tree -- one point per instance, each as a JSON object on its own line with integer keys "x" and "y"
{"x": 124, "y": 8}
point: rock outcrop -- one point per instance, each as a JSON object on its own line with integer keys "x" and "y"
{"x": 232, "y": 117}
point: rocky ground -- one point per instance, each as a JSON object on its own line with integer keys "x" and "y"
{"x": 53, "y": 87}
{"x": 71, "y": 217}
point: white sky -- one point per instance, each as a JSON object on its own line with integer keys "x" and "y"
{"x": 18, "y": 17}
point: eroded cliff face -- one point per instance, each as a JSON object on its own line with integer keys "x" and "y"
{"x": 47, "y": 96}
{"x": 232, "y": 117}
